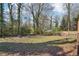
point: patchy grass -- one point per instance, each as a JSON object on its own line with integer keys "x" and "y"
{"x": 36, "y": 45}
{"x": 31, "y": 39}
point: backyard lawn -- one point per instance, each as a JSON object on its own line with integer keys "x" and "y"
{"x": 39, "y": 29}
{"x": 31, "y": 39}
{"x": 37, "y": 45}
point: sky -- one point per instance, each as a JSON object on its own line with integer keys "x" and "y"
{"x": 58, "y": 10}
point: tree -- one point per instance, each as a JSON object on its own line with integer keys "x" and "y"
{"x": 10, "y": 6}
{"x": 51, "y": 23}
{"x": 36, "y": 10}
{"x": 19, "y": 18}
{"x": 56, "y": 21}
{"x": 44, "y": 23}
{"x": 1, "y": 19}
{"x": 64, "y": 24}
{"x": 68, "y": 12}
{"x": 74, "y": 24}
{"x": 36, "y": 13}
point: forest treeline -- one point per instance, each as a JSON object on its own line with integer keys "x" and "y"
{"x": 34, "y": 18}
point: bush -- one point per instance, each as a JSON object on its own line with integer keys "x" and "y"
{"x": 54, "y": 31}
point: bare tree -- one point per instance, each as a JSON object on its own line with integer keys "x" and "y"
{"x": 68, "y": 12}
{"x": 19, "y": 17}
{"x": 51, "y": 23}
{"x": 10, "y": 6}
{"x": 36, "y": 10}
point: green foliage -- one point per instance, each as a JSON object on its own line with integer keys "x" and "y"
{"x": 25, "y": 31}
{"x": 56, "y": 30}
{"x": 64, "y": 24}
{"x": 74, "y": 24}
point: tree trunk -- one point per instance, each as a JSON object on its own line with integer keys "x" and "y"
{"x": 68, "y": 16}
{"x": 34, "y": 25}
{"x": 51, "y": 23}
{"x": 1, "y": 20}
{"x": 11, "y": 19}
{"x": 19, "y": 10}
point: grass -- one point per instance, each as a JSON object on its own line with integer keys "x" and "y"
{"x": 27, "y": 43}
{"x": 31, "y": 39}
{"x": 33, "y": 44}
{"x": 44, "y": 40}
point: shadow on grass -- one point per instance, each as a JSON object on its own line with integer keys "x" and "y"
{"x": 33, "y": 48}
{"x": 63, "y": 41}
